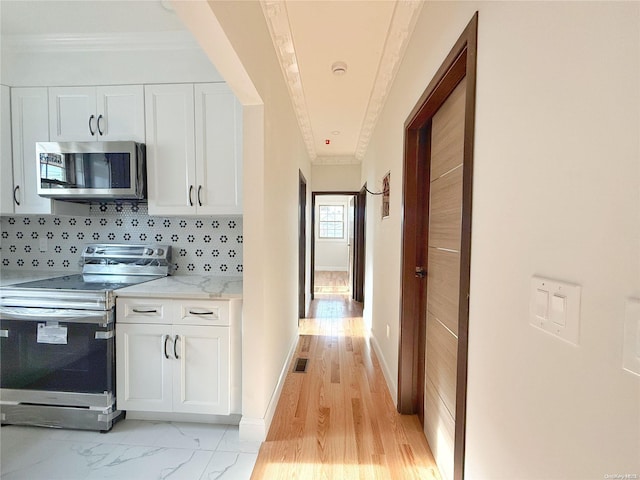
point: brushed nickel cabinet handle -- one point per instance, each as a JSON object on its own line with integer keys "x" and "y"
{"x": 135, "y": 310}
{"x": 175, "y": 348}
{"x": 190, "y": 195}
{"x": 15, "y": 192}
{"x": 100, "y": 117}
{"x": 166, "y": 337}
{"x": 90, "y": 128}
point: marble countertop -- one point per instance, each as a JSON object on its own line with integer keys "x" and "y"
{"x": 187, "y": 286}
{"x": 176, "y": 286}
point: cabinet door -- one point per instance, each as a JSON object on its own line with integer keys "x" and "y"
{"x": 201, "y": 373}
{"x": 29, "y": 124}
{"x": 72, "y": 114}
{"x": 169, "y": 118}
{"x": 120, "y": 113}
{"x": 218, "y": 150}
{"x": 6, "y": 162}
{"x": 143, "y": 372}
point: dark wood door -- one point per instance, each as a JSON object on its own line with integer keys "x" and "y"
{"x": 359, "y": 247}
{"x": 443, "y": 276}
{"x": 436, "y": 254}
{"x": 302, "y": 247}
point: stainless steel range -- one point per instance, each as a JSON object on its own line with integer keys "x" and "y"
{"x": 57, "y": 339}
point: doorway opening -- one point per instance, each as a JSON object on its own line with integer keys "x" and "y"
{"x": 334, "y": 238}
{"x": 337, "y": 245}
{"x": 302, "y": 246}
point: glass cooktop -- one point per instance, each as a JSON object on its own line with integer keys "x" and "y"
{"x": 87, "y": 282}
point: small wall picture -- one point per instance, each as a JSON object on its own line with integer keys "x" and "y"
{"x": 385, "y": 194}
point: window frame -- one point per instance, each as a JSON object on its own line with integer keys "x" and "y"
{"x": 342, "y": 222}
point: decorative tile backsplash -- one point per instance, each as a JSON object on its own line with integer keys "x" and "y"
{"x": 200, "y": 245}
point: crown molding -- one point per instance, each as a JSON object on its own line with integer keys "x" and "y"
{"x": 404, "y": 20}
{"x": 91, "y": 42}
{"x": 336, "y": 160}
{"x": 275, "y": 13}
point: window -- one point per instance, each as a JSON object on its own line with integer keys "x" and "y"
{"x": 331, "y": 224}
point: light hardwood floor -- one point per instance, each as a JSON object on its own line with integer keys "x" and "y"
{"x": 331, "y": 282}
{"x": 337, "y": 420}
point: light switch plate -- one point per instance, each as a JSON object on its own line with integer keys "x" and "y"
{"x": 631, "y": 349}
{"x": 561, "y": 316}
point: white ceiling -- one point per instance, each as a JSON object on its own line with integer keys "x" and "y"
{"x": 309, "y": 36}
{"x": 369, "y": 37}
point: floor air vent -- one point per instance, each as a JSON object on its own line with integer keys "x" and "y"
{"x": 300, "y": 365}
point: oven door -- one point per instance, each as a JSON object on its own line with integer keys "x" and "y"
{"x": 46, "y": 350}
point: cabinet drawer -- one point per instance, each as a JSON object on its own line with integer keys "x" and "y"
{"x": 143, "y": 310}
{"x": 203, "y": 312}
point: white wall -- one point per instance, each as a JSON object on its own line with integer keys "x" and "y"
{"x": 333, "y": 254}
{"x": 336, "y": 178}
{"x": 274, "y": 153}
{"x": 53, "y": 43}
{"x": 29, "y": 68}
{"x": 556, "y": 193}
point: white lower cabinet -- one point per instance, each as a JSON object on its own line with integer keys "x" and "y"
{"x": 181, "y": 365}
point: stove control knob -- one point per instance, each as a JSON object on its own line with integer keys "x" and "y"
{"x": 148, "y": 251}
{"x": 89, "y": 250}
{"x": 160, "y": 252}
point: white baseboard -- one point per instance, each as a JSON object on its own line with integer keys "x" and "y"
{"x": 332, "y": 269}
{"x": 392, "y": 384}
{"x": 232, "y": 419}
{"x": 256, "y": 429}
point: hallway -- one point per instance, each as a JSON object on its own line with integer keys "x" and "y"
{"x": 337, "y": 420}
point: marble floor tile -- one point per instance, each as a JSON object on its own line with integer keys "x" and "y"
{"x": 229, "y": 466}
{"x": 132, "y": 450}
{"x": 231, "y": 443}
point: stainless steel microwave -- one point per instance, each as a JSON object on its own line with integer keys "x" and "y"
{"x": 84, "y": 171}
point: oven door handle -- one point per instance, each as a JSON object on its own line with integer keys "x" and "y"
{"x": 61, "y": 315}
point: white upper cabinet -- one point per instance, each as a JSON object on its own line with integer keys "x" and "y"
{"x": 30, "y": 124}
{"x": 171, "y": 173}
{"x": 6, "y": 162}
{"x": 194, "y": 155}
{"x": 97, "y": 113}
{"x": 218, "y": 150}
